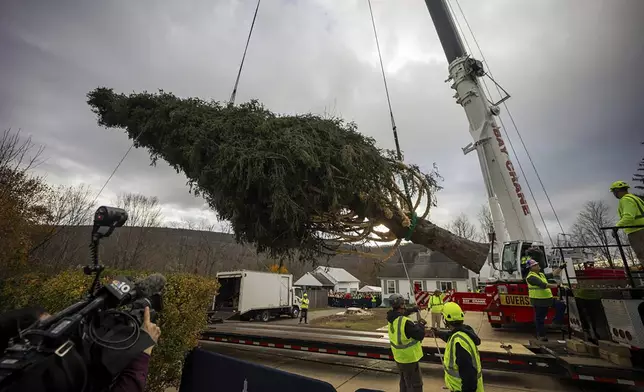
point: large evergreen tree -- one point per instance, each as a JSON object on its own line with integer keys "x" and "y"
{"x": 292, "y": 185}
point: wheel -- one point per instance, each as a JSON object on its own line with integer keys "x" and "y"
{"x": 495, "y": 325}
{"x": 265, "y": 316}
{"x": 295, "y": 313}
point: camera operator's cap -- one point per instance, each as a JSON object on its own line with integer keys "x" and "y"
{"x": 531, "y": 263}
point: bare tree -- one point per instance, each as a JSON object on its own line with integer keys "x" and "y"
{"x": 18, "y": 154}
{"x": 143, "y": 213}
{"x": 22, "y": 205}
{"x": 486, "y": 223}
{"x": 462, "y": 227}
{"x": 587, "y": 228}
{"x": 70, "y": 207}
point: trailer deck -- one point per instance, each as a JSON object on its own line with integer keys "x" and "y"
{"x": 494, "y": 354}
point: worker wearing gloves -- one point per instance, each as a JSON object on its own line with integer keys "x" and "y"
{"x": 631, "y": 213}
{"x": 405, "y": 337}
{"x": 436, "y": 308}
{"x": 541, "y": 299}
{"x": 304, "y": 309}
{"x": 461, "y": 360}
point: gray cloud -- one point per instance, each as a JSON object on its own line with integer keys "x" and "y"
{"x": 571, "y": 67}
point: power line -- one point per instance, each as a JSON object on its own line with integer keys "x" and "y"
{"x": 241, "y": 65}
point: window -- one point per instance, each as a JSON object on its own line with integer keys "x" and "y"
{"x": 353, "y": 291}
{"x": 510, "y": 257}
{"x": 342, "y": 290}
{"x": 391, "y": 287}
{"x": 445, "y": 286}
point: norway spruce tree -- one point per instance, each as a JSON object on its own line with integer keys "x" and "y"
{"x": 294, "y": 186}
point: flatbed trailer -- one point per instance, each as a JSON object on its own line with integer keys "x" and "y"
{"x": 495, "y": 355}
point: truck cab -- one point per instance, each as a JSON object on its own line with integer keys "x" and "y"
{"x": 512, "y": 268}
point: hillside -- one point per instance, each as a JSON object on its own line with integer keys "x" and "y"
{"x": 203, "y": 252}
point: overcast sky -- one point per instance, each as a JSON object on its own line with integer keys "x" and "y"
{"x": 573, "y": 68}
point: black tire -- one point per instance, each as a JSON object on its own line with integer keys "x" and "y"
{"x": 295, "y": 313}
{"x": 265, "y": 316}
{"x": 496, "y": 325}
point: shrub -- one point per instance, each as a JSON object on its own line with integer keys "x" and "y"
{"x": 185, "y": 301}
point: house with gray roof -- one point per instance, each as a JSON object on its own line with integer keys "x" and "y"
{"x": 427, "y": 270}
{"x": 331, "y": 278}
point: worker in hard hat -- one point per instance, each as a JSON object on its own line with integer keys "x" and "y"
{"x": 631, "y": 213}
{"x": 304, "y": 309}
{"x": 405, "y": 337}
{"x": 436, "y": 308}
{"x": 461, "y": 360}
{"x": 541, "y": 299}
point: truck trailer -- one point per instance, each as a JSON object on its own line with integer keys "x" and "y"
{"x": 254, "y": 295}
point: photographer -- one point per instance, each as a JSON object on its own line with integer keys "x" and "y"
{"x": 131, "y": 379}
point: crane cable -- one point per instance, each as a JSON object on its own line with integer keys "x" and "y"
{"x": 391, "y": 112}
{"x": 516, "y": 128}
{"x": 233, "y": 95}
{"x": 232, "y": 100}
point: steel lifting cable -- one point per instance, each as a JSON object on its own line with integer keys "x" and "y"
{"x": 391, "y": 112}
{"x": 241, "y": 65}
{"x": 516, "y": 128}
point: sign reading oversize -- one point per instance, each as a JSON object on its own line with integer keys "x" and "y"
{"x": 515, "y": 300}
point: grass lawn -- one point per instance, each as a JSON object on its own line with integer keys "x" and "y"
{"x": 377, "y": 319}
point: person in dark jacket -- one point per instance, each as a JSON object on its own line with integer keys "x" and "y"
{"x": 132, "y": 378}
{"x": 461, "y": 360}
{"x": 405, "y": 337}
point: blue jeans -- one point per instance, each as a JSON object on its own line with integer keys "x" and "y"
{"x": 540, "y": 313}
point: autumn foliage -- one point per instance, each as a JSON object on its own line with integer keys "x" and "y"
{"x": 278, "y": 269}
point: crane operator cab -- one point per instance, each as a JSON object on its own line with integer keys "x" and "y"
{"x": 515, "y": 256}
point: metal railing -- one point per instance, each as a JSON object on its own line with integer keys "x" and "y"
{"x": 627, "y": 270}
{"x": 618, "y": 244}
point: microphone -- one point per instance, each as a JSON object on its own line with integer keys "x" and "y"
{"x": 147, "y": 293}
{"x": 149, "y": 286}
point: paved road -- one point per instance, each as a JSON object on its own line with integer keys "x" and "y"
{"x": 348, "y": 374}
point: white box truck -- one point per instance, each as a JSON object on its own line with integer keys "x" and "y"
{"x": 254, "y": 295}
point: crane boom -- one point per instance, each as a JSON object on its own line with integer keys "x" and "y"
{"x": 502, "y": 182}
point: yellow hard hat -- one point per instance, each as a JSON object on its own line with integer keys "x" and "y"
{"x": 306, "y": 295}
{"x": 619, "y": 185}
{"x": 453, "y": 312}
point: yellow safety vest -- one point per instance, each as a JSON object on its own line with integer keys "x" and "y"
{"x": 536, "y": 291}
{"x": 373, "y": 299}
{"x": 638, "y": 214}
{"x": 404, "y": 349}
{"x": 305, "y": 303}
{"x": 452, "y": 377}
{"x": 436, "y": 304}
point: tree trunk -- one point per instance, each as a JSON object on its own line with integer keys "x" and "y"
{"x": 469, "y": 254}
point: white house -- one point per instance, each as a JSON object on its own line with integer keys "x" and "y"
{"x": 335, "y": 279}
{"x": 427, "y": 270}
{"x": 314, "y": 281}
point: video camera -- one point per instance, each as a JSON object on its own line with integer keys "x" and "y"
{"x": 87, "y": 345}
